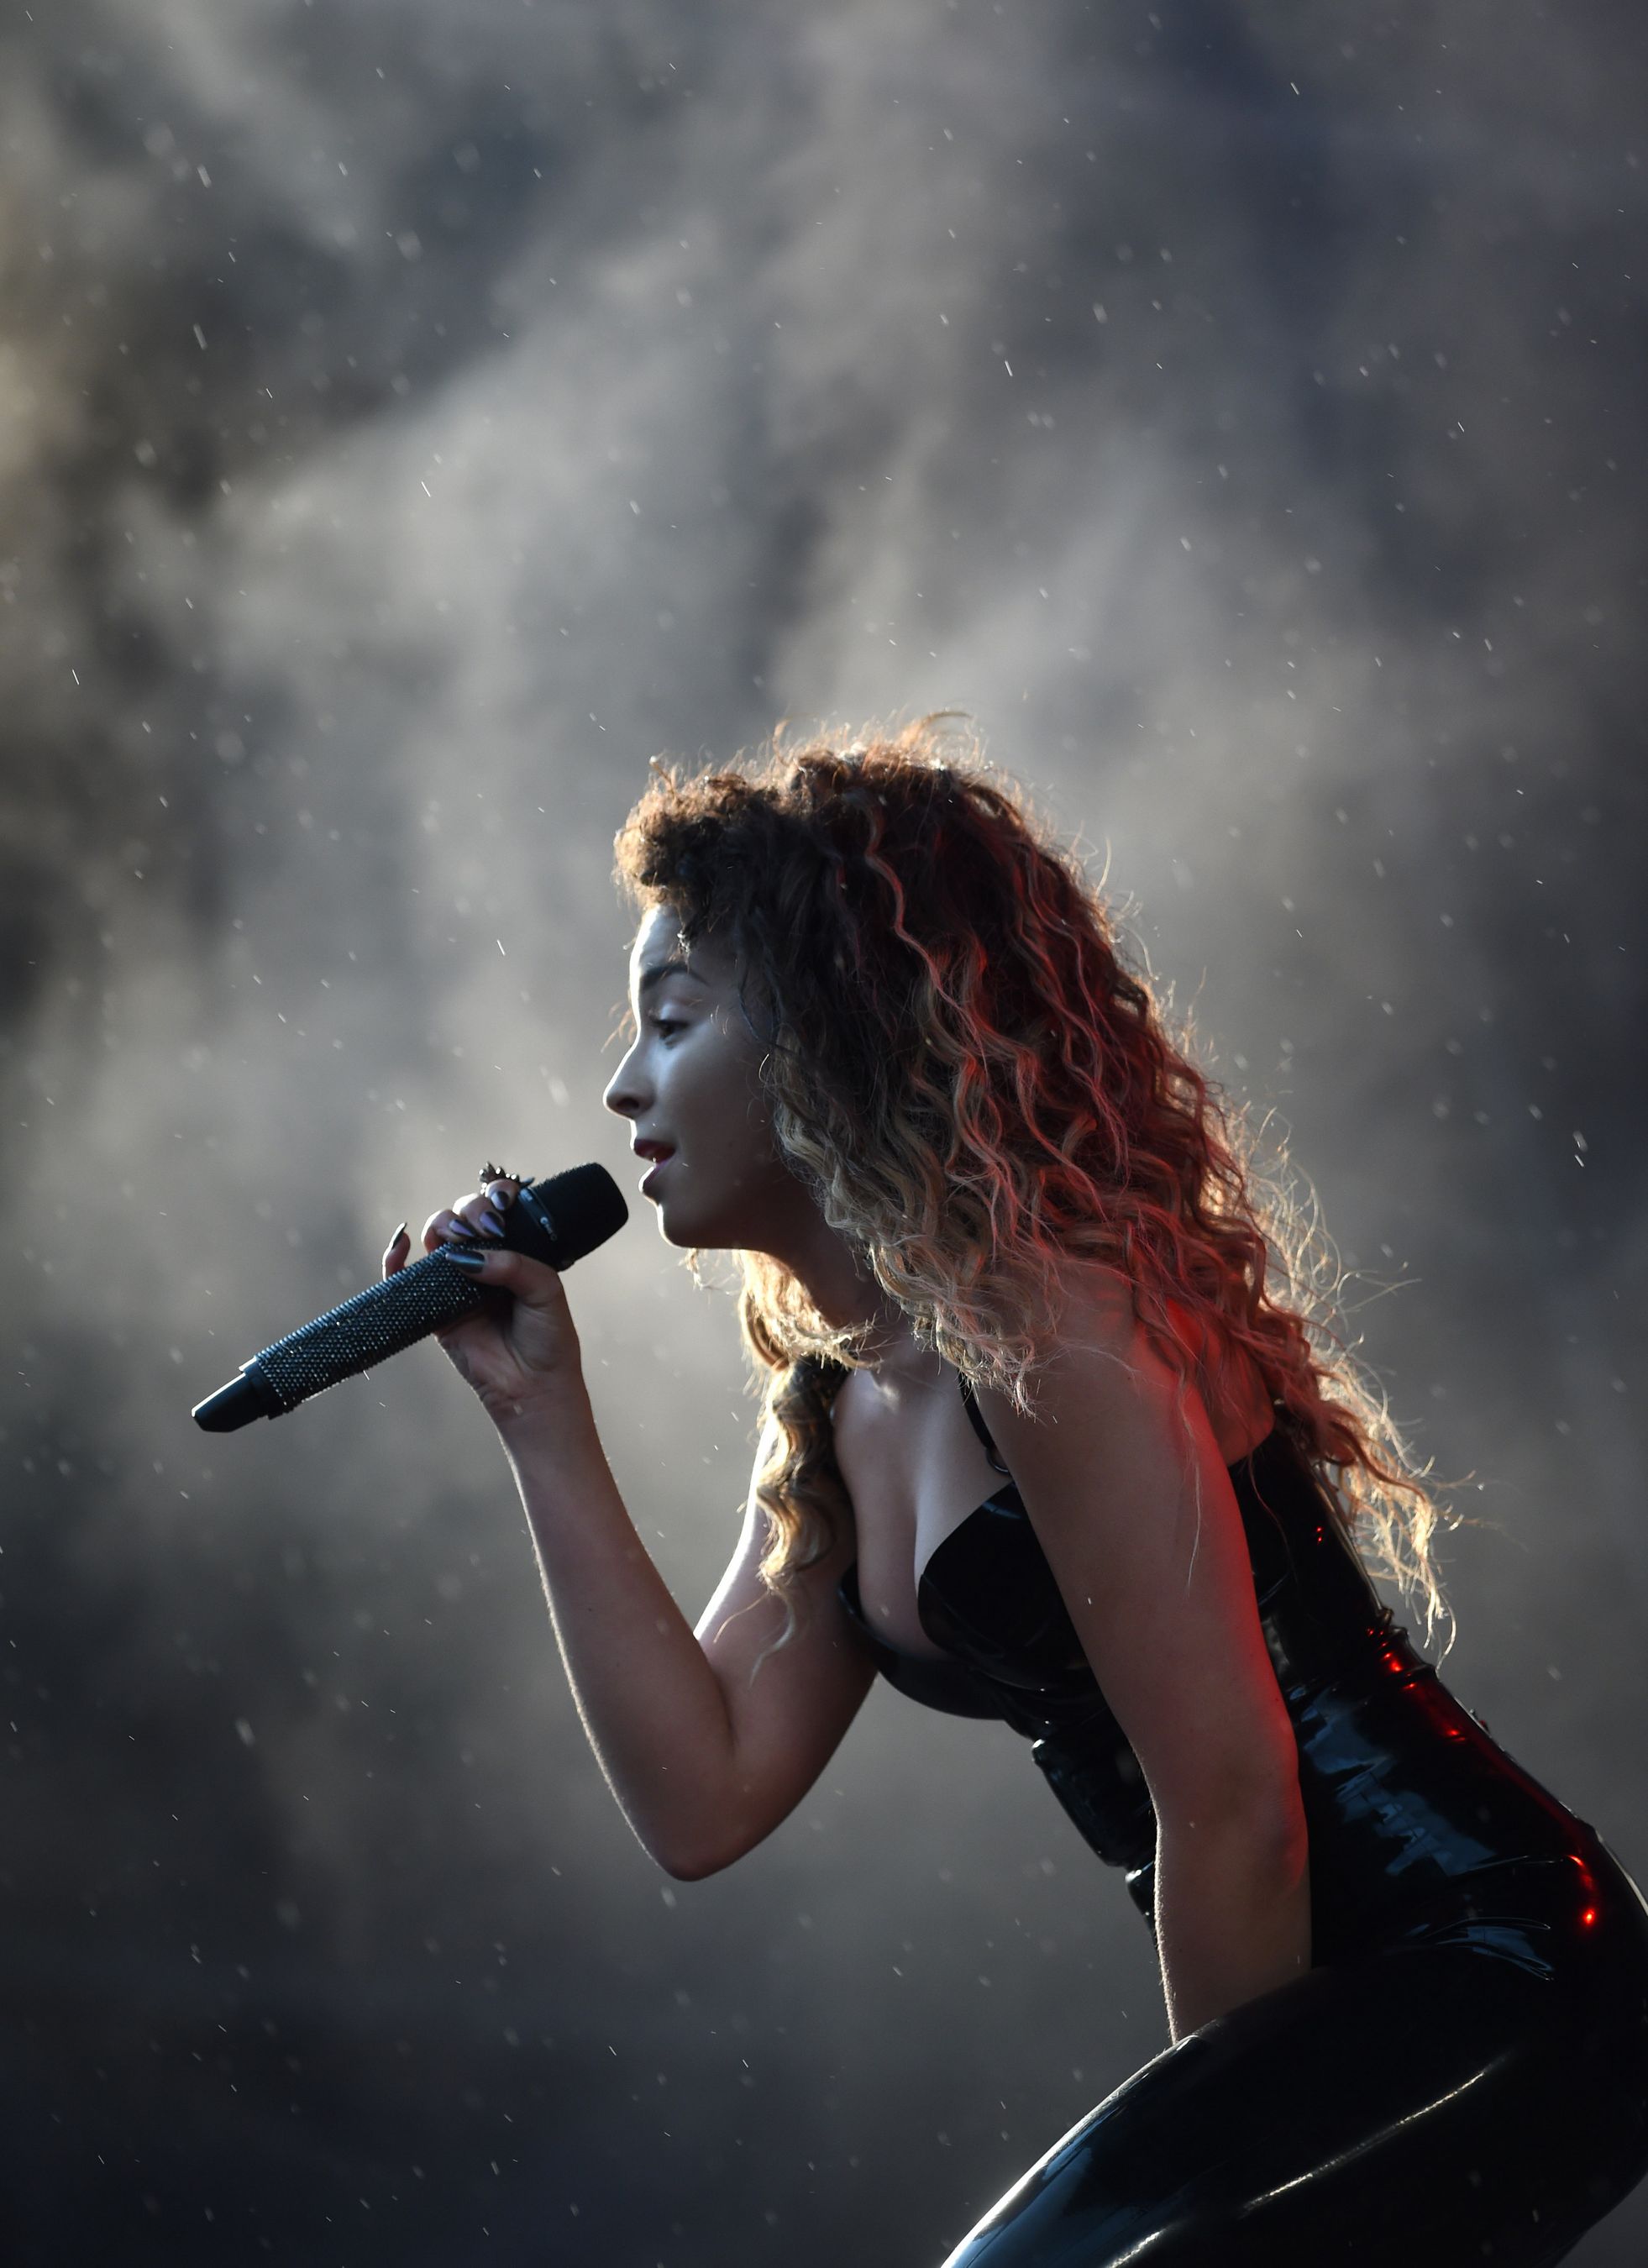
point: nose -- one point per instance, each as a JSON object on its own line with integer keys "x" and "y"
{"x": 623, "y": 1094}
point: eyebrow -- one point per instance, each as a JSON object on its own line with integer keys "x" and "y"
{"x": 657, "y": 970}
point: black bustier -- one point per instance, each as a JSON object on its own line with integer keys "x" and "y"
{"x": 1412, "y": 1808}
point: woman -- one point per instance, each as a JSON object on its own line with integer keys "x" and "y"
{"x": 1042, "y": 1441}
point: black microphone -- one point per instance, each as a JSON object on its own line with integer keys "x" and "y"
{"x": 557, "y": 1221}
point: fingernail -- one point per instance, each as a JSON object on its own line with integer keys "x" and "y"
{"x": 396, "y": 1238}
{"x": 499, "y": 1205}
{"x": 461, "y": 1228}
{"x": 471, "y": 1262}
{"x": 492, "y": 1228}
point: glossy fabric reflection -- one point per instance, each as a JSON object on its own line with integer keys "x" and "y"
{"x": 1462, "y": 2076}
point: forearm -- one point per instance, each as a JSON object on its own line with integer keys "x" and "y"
{"x": 648, "y": 1698}
{"x": 1233, "y": 1916}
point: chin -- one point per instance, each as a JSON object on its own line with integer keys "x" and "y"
{"x": 671, "y": 1231}
{"x": 686, "y": 1234}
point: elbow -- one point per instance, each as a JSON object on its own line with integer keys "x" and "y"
{"x": 694, "y": 1866}
{"x": 1268, "y": 1819}
{"x": 687, "y": 1870}
{"x": 1288, "y": 1826}
{"x": 1281, "y": 1828}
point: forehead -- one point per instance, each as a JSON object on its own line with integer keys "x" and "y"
{"x": 656, "y": 938}
{"x": 657, "y": 947}
{"x": 658, "y": 944}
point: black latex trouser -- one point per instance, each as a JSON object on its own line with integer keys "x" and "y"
{"x": 1474, "y": 2092}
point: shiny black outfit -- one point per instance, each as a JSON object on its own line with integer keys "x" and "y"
{"x": 1461, "y": 2077}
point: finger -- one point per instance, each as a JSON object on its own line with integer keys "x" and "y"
{"x": 441, "y": 1228}
{"x": 396, "y": 1251}
{"x": 479, "y": 1217}
{"x": 532, "y": 1282}
{"x": 487, "y": 1211}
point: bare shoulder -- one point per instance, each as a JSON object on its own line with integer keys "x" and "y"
{"x": 1093, "y": 1332}
{"x": 844, "y": 1408}
{"x": 1120, "y": 1470}
{"x": 1095, "y": 1298}
{"x": 1090, "y": 1289}
{"x": 1097, "y": 1319}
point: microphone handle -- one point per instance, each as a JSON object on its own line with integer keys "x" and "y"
{"x": 556, "y": 1221}
{"x": 351, "y": 1338}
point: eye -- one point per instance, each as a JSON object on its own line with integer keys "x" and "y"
{"x": 667, "y": 1023}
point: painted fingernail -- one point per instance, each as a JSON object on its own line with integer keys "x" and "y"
{"x": 396, "y": 1238}
{"x": 461, "y": 1228}
{"x": 471, "y": 1262}
{"x": 492, "y": 1225}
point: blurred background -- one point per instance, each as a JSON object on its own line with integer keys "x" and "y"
{"x": 412, "y": 418}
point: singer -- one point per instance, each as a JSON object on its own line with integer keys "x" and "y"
{"x": 1058, "y": 1430}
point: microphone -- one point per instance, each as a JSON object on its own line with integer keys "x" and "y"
{"x": 557, "y": 1221}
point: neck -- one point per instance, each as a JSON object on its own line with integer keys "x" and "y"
{"x": 845, "y": 1293}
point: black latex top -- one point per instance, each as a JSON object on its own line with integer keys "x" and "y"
{"x": 1406, "y": 1798}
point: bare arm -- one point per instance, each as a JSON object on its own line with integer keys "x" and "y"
{"x": 1232, "y": 1917}
{"x": 1142, "y": 1529}
{"x": 703, "y": 1763}
{"x": 647, "y": 1697}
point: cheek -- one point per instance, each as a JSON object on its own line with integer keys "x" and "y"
{"x": 717, "y": 1092}
{"x": 693, "y": 1076}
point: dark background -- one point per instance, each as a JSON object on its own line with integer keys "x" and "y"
{"x": 411, "y": 418}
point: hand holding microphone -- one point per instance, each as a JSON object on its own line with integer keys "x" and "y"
{"x": 505, "y": 1323}
{"x": 512, "y": 1351}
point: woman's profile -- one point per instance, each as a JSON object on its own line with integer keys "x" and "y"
{"x": 1057, "y": 1430}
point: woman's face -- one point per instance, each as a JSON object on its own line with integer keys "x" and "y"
{"x": 690, "y": 1080}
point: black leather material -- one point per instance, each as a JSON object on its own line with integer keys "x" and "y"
{"x": 1406, "y": 1795}
{"x": 1467, "y": 2057}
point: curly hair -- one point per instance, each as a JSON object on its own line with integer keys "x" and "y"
{"x": 972, "y": 1084}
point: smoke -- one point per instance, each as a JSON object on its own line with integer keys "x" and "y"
{"x": 412, "y": 419}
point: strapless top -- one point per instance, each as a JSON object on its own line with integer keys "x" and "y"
{"x": 1411, "y": 1807}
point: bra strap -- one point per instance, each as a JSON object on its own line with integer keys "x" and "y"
{"x": 983, "y": 1431}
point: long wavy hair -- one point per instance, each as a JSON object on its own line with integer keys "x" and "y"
{"x": 972, "y": 1084}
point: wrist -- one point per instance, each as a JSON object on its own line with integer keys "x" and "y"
{"x": 554, "y": 1416}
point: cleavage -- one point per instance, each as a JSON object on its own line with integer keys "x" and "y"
{"x": 917, "y": 1472}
